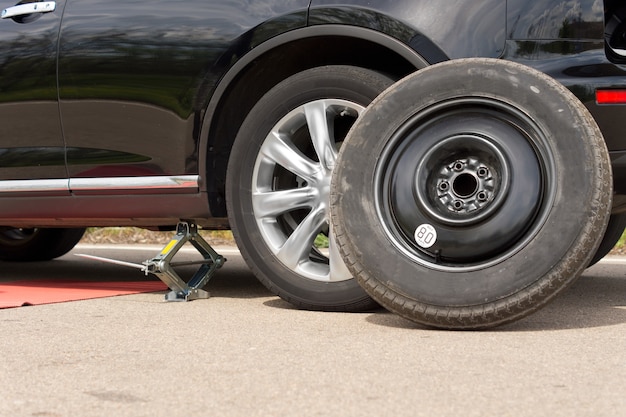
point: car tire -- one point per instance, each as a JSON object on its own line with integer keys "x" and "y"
{"x": 278, "y": 184}
{"x": 37, "y": 244}
{"x": 614, "y": 231}
{"x": 485, "y": 194}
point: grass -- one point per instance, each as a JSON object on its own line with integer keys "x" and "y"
{"x": 130, "y": 235}
{"x": 321, "y": 241}
{"x": 143, "y": 236}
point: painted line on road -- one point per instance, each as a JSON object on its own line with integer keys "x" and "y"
{"x": 620, "y": 260}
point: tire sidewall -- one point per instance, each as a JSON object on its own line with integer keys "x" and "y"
{"x": 43, "y": 245}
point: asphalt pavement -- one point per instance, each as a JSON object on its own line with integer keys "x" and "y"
{"x": 244, "y": 352}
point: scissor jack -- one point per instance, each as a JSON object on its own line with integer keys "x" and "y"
{"x": 163, "y": 267}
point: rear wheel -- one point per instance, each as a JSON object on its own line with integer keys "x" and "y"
{"x": 278, "y": 184}
{"x": 614, "y": 231}
{"x": 36, "y": 244}
{"x": 485, "y": 194}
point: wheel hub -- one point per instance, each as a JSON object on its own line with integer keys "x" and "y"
{"x": 466, "y": 179}
{"x": 464, "y": 186}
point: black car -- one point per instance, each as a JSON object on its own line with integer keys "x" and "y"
{"x": 470, "y": 193}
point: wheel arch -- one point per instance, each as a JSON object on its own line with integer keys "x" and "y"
{"x": 280, "y": 57}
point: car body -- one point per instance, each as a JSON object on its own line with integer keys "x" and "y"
{"x": 125, "y": 113}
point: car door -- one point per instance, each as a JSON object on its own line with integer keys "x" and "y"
{"x": 134, "y": 80}
{"x": 31, "y": 144}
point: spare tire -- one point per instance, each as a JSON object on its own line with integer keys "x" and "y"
{"x": 471, "y": 193}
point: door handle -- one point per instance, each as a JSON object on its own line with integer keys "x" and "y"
{"x": 28, "y": 8}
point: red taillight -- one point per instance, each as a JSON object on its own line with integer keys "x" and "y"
{"x": 611, "y": 96}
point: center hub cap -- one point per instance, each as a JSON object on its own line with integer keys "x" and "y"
{"x": 461, "y": 180}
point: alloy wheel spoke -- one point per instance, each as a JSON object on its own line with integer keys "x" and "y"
{"x": 338, "y": 269}
{"x": 298, "y": 246}
{"x": 322, "y": 135}
{"x": 275, "y": 203}
{"x": 285, "y": 154}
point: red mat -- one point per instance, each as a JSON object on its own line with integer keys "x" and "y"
{"x": 24, "y": 293}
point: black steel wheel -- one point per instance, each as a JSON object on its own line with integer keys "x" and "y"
{"x": 36, "y": 244}
{"x": 471, "y": 193}
{"x": 278, "y": 184}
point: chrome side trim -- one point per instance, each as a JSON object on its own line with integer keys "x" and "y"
{"x": 188, "y": 183}
{"x": 179, "y": 183}
{"x": 34, "y": 186}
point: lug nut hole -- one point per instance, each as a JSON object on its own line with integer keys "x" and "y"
{"x": 458, "y": 166}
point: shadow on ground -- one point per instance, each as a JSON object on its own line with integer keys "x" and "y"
{"x": 597, "y": 299}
